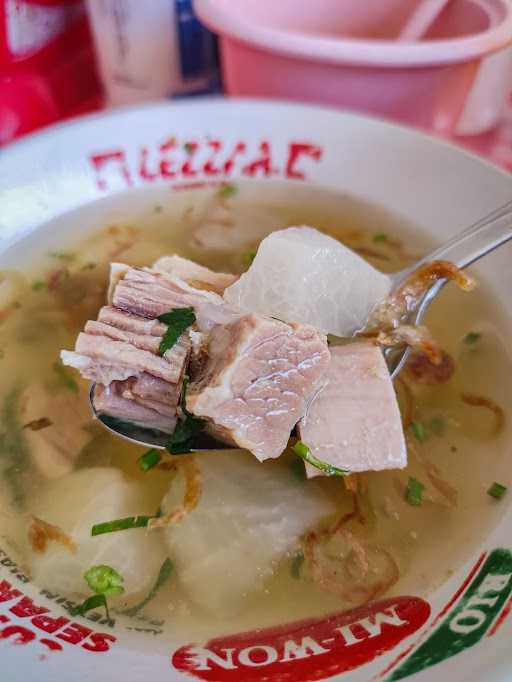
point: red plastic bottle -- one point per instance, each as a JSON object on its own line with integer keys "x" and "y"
{"x": 47, "y": 69}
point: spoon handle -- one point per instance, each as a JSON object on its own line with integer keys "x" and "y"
{"x": 477, "y": 240}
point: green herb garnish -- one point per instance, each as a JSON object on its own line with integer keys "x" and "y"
{"x": 93, "y": 602}
{"x": 471, "y": 338}
{"x": 14, "y": 453}
{"x": 248, "y": 257}
{"x": 39, "y": 285}
{"x": 227, "y": 190}
{"x": 414, "y": 492}
{"x": 177, "y": 320}
{"x": 181, "y": 441}
{"x": 419, "y": 431}
{"x": 497, "y": 490}
{"x": 302, "y": 450}
{"x": 149, "y": 459}
{"x": 63, "y": 255}
{"x": 121, "y": 524}
{"x": 380, "y": 237}
{"x": 89, "y": 266}
{"x": 66, "y": 377}
{"x": 104, "y": 579}
{"x": 297, "y": 469}
{"x": 437, "y": 425}
{"x": 296, "y": 566}
{"x": 164, "y": 574}
{"x": 158, "y": 209}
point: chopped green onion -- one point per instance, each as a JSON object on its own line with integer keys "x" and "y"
{"x": 471, "y": 338}
{"x": 65, "y": 377}
{"x": 165, "y": 572}
{"x": 296, "y": 566}
{"x": 158, "y": 209}
{"x": 414, "y": 492}
{"x": 298, "y": 470}
{"x": 248, "y": 257}
{"x": 227, "y": 190}
{"x": 497, "y": 490}
{"x": 91, "y": 603}
{"x": 419, "y": 431}
{"x": 437, "y": 425}
{"x": 89, "y": 266}
{"x": 177, "y": 320}
{"x": 380, "y": 237}
{"x": 302, "y": 450}
{"x": 63, "y": 255}
{"x": 38, "y": 285}
{"x": 149, "y": 459}
{"x": 181, "y": 441}
{"x": 121, "y": 524}
{"x": 104, "y": 579}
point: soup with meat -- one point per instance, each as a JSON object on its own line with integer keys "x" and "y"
{"x": 226, "y": 540}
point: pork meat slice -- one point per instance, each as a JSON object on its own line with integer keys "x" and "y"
{"x": 130, "y": 323}
{"x": 353, "y": 421}
{"x": 147, "y": 293}
{"x": 257, "y": 379}
{"x": 194, "y": 274}
{"x": 144, "y": 293}
{"x": 110, "y": 400}
{"x": 128, "y": 358}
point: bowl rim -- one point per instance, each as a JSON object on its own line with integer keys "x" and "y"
{"x": 358, "y": 51}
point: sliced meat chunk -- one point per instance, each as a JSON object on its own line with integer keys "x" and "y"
{"x": 353, "y": 421}
{"x": 130, "y": 323}
{"x": 196, "y": 275}
{"x": 151, "y": 392}
{"x": 150, "y": 294}
{"x": 257, "y": 380}
{"x": 119, "y": 353}
{"x": 110, "y": 400}
{"x": 117, "y": 272}
{"x": 93, "y": 370}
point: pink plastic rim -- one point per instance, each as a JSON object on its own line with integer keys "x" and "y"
{"x": 219, "y": 16}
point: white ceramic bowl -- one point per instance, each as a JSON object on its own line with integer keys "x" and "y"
{"x": 429, "y": 183}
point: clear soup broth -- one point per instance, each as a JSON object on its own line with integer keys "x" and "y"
{"x": 457, "y": 432}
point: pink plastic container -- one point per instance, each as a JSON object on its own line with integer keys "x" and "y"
{"x": 346, "y": 53}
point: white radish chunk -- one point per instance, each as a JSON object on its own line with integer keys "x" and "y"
{"x": 76, "y": 502}
{"x": 302, "y": 275}
{"x": 248, "y": 517}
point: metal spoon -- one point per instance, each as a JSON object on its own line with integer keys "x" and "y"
{"x": 462, "y": 250}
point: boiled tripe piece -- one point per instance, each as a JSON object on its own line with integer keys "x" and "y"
{"x": 302, "y": 275}
{"x": 353, "y": 422}
{"x": 248, "y": 517}
{"x": 74, "y": 503}
{"x": 256, "y": 381}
